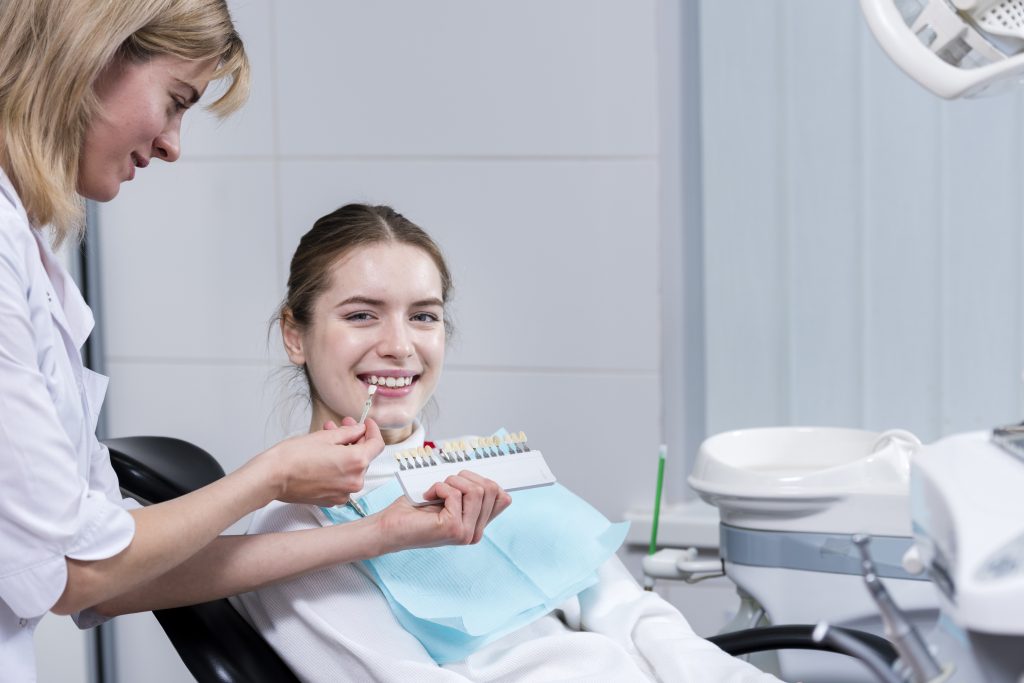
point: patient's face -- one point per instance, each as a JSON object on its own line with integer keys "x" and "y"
{"x": 379, "y": 323}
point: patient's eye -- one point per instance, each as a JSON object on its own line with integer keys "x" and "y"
{"x": 359, "y": 316}
{"x": 425, "y": 317}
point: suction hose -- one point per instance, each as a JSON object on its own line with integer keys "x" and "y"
{"x": 876, "y": 652}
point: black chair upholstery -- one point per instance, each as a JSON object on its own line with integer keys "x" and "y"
{"x": 213, "y": 640}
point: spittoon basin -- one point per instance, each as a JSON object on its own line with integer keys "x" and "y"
{"x": 813, "y": 479}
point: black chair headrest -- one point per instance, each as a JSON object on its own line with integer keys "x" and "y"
{"x": 158, "y": 468}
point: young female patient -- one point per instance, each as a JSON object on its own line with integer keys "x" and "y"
{"x": 366, "y": 306}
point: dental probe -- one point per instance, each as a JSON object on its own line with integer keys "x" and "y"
{"x": 370, "y": 391}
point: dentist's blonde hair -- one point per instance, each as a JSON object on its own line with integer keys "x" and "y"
{"x": 51, "y": 53}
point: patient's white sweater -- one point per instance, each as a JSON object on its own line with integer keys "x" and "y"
{"x": 335, "y": 625}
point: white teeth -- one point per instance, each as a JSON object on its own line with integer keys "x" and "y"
{"x": 389, "y": 381}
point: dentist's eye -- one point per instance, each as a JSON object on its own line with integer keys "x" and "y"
{"x": 425, "y": 318}
{"x": 179, "y": 104}
{"x": 358, "y": 317}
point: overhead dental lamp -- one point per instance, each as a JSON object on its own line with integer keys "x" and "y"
{"x": 954, "y": 48}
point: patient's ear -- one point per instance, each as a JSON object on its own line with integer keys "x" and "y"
{"x": 292, "y": 337}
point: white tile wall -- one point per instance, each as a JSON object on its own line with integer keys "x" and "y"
{"x": 191, "y": 262}
{"x": 225, "y": 408}
{"x": 249, "y": 132}
{"x": 522, "y": 134}
{"x": 554, "y": 261}
{"x": 464, "y": 78}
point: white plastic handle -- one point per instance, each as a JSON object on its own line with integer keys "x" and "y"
{"x": 890, "y": 435}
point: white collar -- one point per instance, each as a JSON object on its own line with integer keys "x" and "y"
{"x": 72, "y": 313}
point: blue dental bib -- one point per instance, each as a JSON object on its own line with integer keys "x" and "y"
{"x": 545, "y": 548}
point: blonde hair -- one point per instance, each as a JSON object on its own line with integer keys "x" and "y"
{"x": 52, "y": 52}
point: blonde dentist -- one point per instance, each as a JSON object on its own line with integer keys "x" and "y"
{"x": 89, "y": 93}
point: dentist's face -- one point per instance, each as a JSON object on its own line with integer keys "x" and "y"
{"x": 381, "y": 322}
{"x": 141, "y": 106}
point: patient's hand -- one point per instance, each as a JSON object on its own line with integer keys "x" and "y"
{"x": 323, "y": 468}
{"x": 470, "y": 502}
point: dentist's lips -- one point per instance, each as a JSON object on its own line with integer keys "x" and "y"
{"x": 137, "y": 162}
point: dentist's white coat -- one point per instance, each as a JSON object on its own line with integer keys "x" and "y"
{"x": 58, "y": 494}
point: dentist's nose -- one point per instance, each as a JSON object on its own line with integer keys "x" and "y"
{"x": 167, "y": 145}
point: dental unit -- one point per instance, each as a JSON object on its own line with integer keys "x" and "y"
{"x": 923, "y": 544}
{"x": 790, "y": 500}
{"x": 954, "y": 48}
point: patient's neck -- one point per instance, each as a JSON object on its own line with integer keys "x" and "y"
{"x": 397, "y": 434}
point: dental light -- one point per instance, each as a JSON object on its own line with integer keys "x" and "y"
{"x": 954, "y": 48}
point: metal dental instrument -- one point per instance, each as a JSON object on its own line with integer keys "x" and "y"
{"x": 370, "y": 391}
{"x": 905, "y": 638}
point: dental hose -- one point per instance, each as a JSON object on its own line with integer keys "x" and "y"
{"x": 876, "y": 652}
{"x": 846, "y": 643}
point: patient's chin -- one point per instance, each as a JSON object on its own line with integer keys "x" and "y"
{"x": 395, "y": 431}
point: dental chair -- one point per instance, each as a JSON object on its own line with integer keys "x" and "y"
{"x": 218, "y": 646}
{"x": 213, "y": 640}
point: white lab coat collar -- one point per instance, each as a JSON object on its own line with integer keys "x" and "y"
{"x": 69, "y": 310}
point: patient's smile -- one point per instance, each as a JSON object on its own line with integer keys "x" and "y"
{"x": 388, "y": 381}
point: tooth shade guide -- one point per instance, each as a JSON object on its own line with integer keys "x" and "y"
{"x": 501, "y": 458}
{"x": 463, "y": 450}
{"x": 522, "y": 441}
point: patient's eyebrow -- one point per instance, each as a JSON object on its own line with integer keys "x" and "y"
{"x": 364, "y": 300}
{"x": 367, "y": 301}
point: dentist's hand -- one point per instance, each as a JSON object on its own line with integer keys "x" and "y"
{"x": 469, "y": 503}
{"x": 323, "y": 468}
